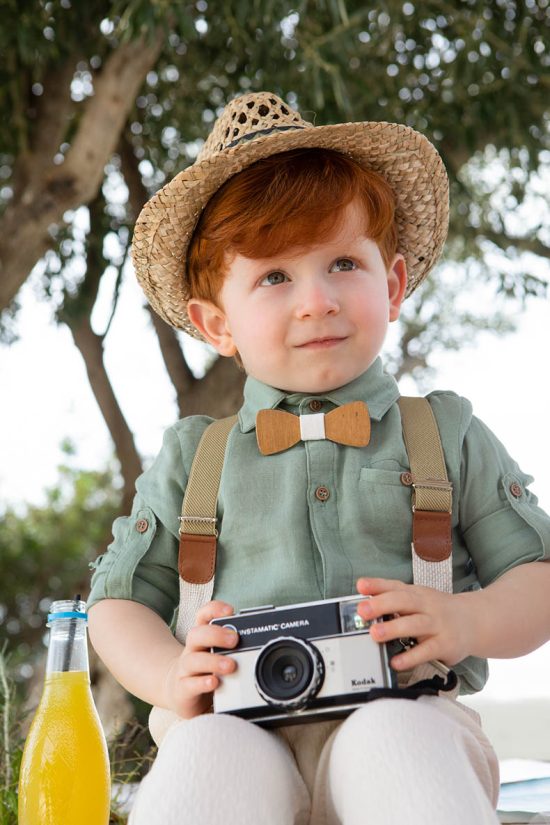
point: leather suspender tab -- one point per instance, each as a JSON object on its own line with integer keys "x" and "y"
{"x": 197, "y": 558}
{"x": 432, "y": 535}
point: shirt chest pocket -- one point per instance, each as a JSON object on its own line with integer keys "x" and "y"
{"x": 386, "y": 510}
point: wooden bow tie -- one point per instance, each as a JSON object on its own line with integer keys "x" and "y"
{"x": 277, "y": 430}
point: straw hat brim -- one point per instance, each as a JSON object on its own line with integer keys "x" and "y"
{"x": 409, "y": 162}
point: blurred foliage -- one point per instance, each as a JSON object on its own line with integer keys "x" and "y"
{"x": 44, "y": 554}
{"x": 442, "y": 316}
{"x": 11, "y": 743}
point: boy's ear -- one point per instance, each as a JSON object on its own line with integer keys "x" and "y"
{"x": 397, "y": 284}
{"x": 211, "y": 322}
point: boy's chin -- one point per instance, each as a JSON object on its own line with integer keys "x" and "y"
{"x": 313, "y": 386}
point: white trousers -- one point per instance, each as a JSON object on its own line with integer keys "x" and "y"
{"x": 393, "y": 761}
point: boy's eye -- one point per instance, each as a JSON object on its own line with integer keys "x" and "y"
{"x": 344, "y": 264}
{"x": 273, "y": 279}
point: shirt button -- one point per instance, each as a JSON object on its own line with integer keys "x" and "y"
{"x": 322, "y": 493}
{"x": 315, "y": 405}
{"x": 142, "y": 525}
{"x": 406, "y": 479}
{"x": 515, "y": 489}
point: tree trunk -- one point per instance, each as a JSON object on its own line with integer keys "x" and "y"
{"x": 177, "y": 367}
{"x": 90, "y": 346}
{"x": 219, "y": 393}
{"x": 49, "y": 189}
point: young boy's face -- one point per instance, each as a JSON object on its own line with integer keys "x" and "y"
{"x": 310, "y": 320}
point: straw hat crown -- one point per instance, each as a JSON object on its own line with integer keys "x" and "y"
{"x": 248, "y": 117}
{"x": 257, "y": 125}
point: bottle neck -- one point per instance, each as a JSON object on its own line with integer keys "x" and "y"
{"x": 68, "y": 649}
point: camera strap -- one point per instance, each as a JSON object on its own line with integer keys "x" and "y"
{"x": 425, "y": 687}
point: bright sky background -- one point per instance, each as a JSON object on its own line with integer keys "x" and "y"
{"x": 47, "y": 398}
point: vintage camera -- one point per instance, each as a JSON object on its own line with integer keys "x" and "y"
{"x": 301, "y": 662}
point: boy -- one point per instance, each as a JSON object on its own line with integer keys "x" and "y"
{"x": 292, "y": 248}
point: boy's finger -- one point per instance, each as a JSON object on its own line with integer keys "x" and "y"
{"x": 372, "y": 587}
{"x": 402, "y": 601}
{"x": 215, "y": 609}
{"x": 197, "y": 685}
{"x": 201, "y": 663}
{"x": 402, "y": 627}
{"x": 417, "y": 655}
{"x": 203, "y": 636}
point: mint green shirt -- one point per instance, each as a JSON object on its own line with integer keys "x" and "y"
{"x": 279, "y": 543}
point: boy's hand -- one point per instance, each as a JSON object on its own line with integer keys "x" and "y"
{"x": 193, "y": 674}
{"x": 441, "y": 623}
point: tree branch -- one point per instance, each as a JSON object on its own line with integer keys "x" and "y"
{"x": 76, "y": 313}
{"x": 525, "y": 244}
{"x": 219, "y": 393}
{"x": 90, "y": 347}
{"x": 177, "y": 367}
{"x": 129, "y": 166}
{"x": 24, "y": 236}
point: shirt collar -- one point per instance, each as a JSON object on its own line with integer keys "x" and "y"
{"x": 378, "y": 389}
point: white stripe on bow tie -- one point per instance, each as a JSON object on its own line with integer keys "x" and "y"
{"x": 312, "y": 427}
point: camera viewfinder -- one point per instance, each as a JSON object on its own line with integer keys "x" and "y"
{"x": 350, "y": 619}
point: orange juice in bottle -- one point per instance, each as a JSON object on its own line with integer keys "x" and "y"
{"x": 65, "y": 768}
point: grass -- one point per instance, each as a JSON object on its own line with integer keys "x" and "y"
{"x": 130, "y": 755}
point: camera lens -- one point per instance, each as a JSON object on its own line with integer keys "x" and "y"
{"x": 289, "y": 672}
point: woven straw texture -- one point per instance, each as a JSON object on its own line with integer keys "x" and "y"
{"x": 260, "y": 124}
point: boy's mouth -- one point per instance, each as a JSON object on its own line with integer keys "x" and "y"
{"x": 321, "y": 343}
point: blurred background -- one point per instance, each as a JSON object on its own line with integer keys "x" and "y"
{"x": 102, "y": 102}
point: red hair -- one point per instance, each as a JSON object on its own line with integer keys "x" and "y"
{"x": 282, "y": 202}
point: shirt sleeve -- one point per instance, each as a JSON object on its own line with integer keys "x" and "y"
{"x": 499, "y": 517}
{"x": 141, "y": 563}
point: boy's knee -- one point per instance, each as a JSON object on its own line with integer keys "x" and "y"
{"x": 390, "y": 725}
{"x": 219, "y": 764}
{"x": 210, "y": 735}
{"x": 227, "y": 744}
{"x": 381, "y": 714}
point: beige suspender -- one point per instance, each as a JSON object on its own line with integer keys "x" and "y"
{"x": 431, "y": 496}
{"x": 198, "y": 533}
{"x": 197, "y": 554}
{"x": 431, "y": 502}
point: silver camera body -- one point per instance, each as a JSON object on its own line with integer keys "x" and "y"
{"x": 301, "y": 662}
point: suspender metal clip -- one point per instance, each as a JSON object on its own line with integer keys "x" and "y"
{"x": 196, "y": 520}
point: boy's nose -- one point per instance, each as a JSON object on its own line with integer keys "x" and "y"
{"x": 317, "y": 300}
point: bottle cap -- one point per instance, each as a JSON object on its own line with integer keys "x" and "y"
{"x": 67, "y": 614}
{"x": 67, "y": 609}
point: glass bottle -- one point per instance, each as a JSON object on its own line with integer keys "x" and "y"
{"x": 65, "y": 767}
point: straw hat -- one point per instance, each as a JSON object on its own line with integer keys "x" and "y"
{"x": 259, "y": 124}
